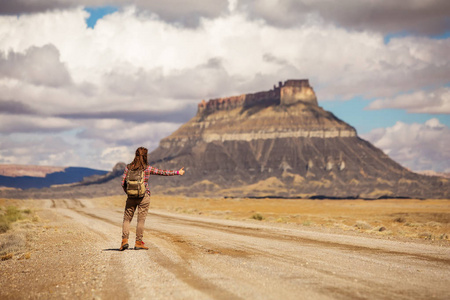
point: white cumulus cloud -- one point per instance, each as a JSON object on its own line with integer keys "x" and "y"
{"x": 416, "y": 146}
{"x": 416, "y": 16}
{"x": 18, "y": 124}
{"x": 38, "y": 65}
{"x": 433, "y": 102}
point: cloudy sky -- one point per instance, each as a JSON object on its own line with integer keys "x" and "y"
{"x": 83, "y": 83}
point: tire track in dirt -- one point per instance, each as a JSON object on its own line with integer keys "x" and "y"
{"x": 180, "y": 270}
{"x": 266, "y": 234}
{"x": 379, "y": 255}
{"x": 115, "y": 267}
{"x": 194, "y": 256}
{"x": 373, "y": 255}
{"x": 283, "y": 260}
{"x": 190, "y": 252}
{"x": 114, "y": 276}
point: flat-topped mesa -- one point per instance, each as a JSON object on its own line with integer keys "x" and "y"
{"x": 297, "y": 90}
{"x": 290, "y": 92}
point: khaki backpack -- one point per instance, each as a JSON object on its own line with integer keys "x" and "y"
{"x": 135, "y": 184}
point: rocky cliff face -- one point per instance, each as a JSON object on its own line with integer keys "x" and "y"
{"x": 261, "y": 116}
{"x": 292, "y": 91}
{"x": 280, "y": 143}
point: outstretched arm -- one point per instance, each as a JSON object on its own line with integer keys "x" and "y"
{"x": 155, "y": 171}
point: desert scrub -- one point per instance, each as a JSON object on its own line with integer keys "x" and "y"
{"x": 12, "y": 243}
{"x": 362, "y": 225}
{"x": 13, "y": 214}
{"x": 426, "y": 236}
{"x": 400, "y": 220}
{"x": 7, "y": 256}
{"x": 8, "y": 216}
{"x": 258, "y": 217}
{"x": 4, "y": 224}
{"x": 306, "y": 223}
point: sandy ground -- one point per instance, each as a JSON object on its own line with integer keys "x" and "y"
{"x": 71, "y": 253}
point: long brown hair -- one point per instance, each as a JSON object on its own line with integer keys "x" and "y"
{"x": 140, "y": 160}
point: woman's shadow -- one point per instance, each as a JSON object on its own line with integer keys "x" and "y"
{"x": 116, "y": 249}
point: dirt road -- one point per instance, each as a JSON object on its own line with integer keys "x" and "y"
{"x": 194, "y": 257}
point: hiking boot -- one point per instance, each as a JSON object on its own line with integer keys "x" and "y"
{"x": 140, "y": 246}
{"x": 124, "y": 245}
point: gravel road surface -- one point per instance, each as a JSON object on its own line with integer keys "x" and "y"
{"x": 194, "y": 257}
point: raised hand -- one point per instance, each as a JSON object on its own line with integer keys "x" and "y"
{"x": 181, "y": 171}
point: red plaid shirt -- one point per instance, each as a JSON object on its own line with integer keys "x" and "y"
{"x": 150, "y": 171}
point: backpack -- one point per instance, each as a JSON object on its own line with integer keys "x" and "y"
{"x": 135, "y": 187}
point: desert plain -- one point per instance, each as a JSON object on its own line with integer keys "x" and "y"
{"x": 228, "y": 248}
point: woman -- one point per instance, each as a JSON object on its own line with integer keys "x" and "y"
{"x": 140, "y": 202}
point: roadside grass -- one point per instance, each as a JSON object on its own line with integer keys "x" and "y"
{"x": 306, "y": 223}
{"x": 258, "y": 217}
{"x": 14, "y": 233}
{"x": 362, "y": 225}
{"x": 8, "y": 216}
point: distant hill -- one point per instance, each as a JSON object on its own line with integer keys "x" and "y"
{"x": 26, "y": 177}
{"x": 106, "y": 183}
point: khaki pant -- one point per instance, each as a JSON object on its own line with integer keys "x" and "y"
{"x": 142, "y": 205}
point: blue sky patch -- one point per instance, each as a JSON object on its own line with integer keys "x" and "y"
{"x": 355, "y": 113}
{"x": 96, "y": 13}
{"x": 442, "y": 36}
{"x": 387, "y": 38}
